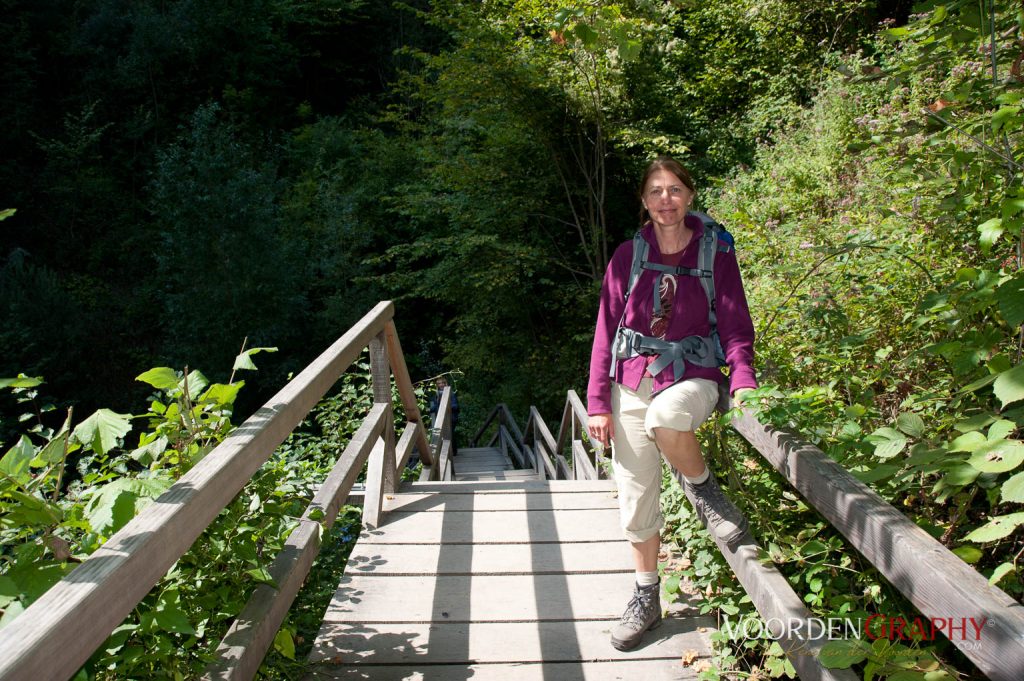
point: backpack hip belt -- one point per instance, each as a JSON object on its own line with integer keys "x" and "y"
{"x": 699, "y": 350}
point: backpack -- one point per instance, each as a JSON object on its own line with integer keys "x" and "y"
{"x": 703, "y": 351}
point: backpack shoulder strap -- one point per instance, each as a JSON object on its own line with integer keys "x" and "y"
{"x": 640, "y": 249}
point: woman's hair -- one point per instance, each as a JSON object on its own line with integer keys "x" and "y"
{"x": 663, "y": 163}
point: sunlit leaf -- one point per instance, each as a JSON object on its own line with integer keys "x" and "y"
{"x": 996, "y": 528}
{"x": 911, "y": 424}
{"x": 1009, "y": 385}
{"x": 968, "y": 554}
{"x": 244, "y": 359}
{"x": 102, "y": 430}
{"x": 1013, "y": 489}
{"x": 1000, "y": 572}
{"x": 990, "y": 231}
{"x": 161, "y": 378}
{"x": 997, "y": 456}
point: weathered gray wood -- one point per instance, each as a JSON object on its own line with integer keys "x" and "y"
{"x": 403, "y": 450}
{"x": 778, "y": 606}
{"x": 242, "y": 649}
{"x": 490, "y": 559}
{"x": 531, "y": 487}
{"x": 582, "y": 466}
{"x": 445, "y": 459}
{"x": 373, "y": 496}
{"x": 513, "y": 451}
{"x": 482, "y": 598}
{"x": 607, "y": 670}
{"x": 499, "y": 527}
{"x": 49, "y": 640}
{"x": 505, "y": 642}
{"x": 475, "y": 440}
{"x": 405, "y": 390}
{"x": 380, "y": 473}
{"x": 410, "y": 502}
{"x": 380, "y": 375}
{"x": 935, "y": 580}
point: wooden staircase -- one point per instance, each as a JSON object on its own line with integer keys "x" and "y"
{"x": 475, "y": 464}
{"x": 496, "y": 580}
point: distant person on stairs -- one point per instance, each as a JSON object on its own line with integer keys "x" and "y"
{"x": 440, "y": 383}
{"x": 668, "y": 319}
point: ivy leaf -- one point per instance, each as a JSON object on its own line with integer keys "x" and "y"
{"x": 996, "y": 528}
{"x": 998, "y": 456}
{"x": 1013, "y": 489}
{"x": 1009, "y": 385}
{"x": 842, "y": 654}
{"x": 990, "y": 231}
{"x": 244, "y": 359}
{"x": 102, "y": 430}
{"x": 911, "y": 424}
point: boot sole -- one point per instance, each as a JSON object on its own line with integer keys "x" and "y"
{"x": 630, "y": 644}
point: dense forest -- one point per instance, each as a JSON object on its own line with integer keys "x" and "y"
{"x": 186, "y": 181}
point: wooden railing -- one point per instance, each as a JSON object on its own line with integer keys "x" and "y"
{"x": 936, "y": 581}
{"x": 441, "y": 441}
{"x": 538, "y": 449}
{"x": 54, "y": 636}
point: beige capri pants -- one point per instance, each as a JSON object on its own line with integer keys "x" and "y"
{"x": 636, "y": 460}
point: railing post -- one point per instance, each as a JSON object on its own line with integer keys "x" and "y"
{"x": 380, "y": 473}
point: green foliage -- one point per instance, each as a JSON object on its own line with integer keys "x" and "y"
{"x": 50, "y": 520}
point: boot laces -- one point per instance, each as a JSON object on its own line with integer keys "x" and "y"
{"x": 638, "y": 608}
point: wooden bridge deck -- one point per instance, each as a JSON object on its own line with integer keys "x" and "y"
{"x": 496, "y": 580}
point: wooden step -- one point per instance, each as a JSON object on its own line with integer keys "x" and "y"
{"x": 497, "y": 580}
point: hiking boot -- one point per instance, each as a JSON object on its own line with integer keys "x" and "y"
{"x": 723, "y": 519}
{"x": 642, "y": 613}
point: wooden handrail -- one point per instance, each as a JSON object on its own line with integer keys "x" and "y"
{"x": 242, "y": 649}
{"x": 406, "y": 392}
{"x": 475, "y": 440}
{"x": 49, "y": 640}
{"x": 929, "y": 575}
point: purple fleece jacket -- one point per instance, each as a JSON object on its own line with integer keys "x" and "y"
{"x": 689, "y": 318}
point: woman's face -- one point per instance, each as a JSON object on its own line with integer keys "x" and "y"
{"x": 666, "y": 198}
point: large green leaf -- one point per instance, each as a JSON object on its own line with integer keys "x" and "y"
{"x": 54, "y": 450}
{"x": 990, "y": 231}
{"x": 911, "y": 424}
{"x": 996, "y": 528}
{"x": 22, "y": 381}
{"x": 161, "y": 378}
{"x": 173, "y": 619}
{"x": 15, "y": 462}
{"x": 102, "y": 430}
{"x": 1010, "y": 297}
{"x": 841, "y": 654}
{"x": 1013, "y": 489}
{"x": 1000, "y": 572}
{"x": 998, "y": 456}
{"x": 1009, "y": 385}
{"x": 119, "y": 501}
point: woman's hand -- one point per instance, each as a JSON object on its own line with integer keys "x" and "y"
{"x": 739, "y": 395}
{"x": 600, "y": 428}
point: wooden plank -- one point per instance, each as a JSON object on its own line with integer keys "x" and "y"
{"x": 583, "y": 466}
{"x": 48, "y": 640}
{"x": 500, "y": 527}
{"x": 510, "y": 501}
{"x": 529, "y": 487}
{"x": 403, "y": 450}
{"x": 405, "y": 390}
{"x": 497, "y": 643}
{"x": 373, "y": 496}
{"x": 610, "y": 670}
{"x": 461, "y": 559}
{"x": 948, "y": 588}
{"x": 487, "y": 422}
{"x": 380, "y": 375}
